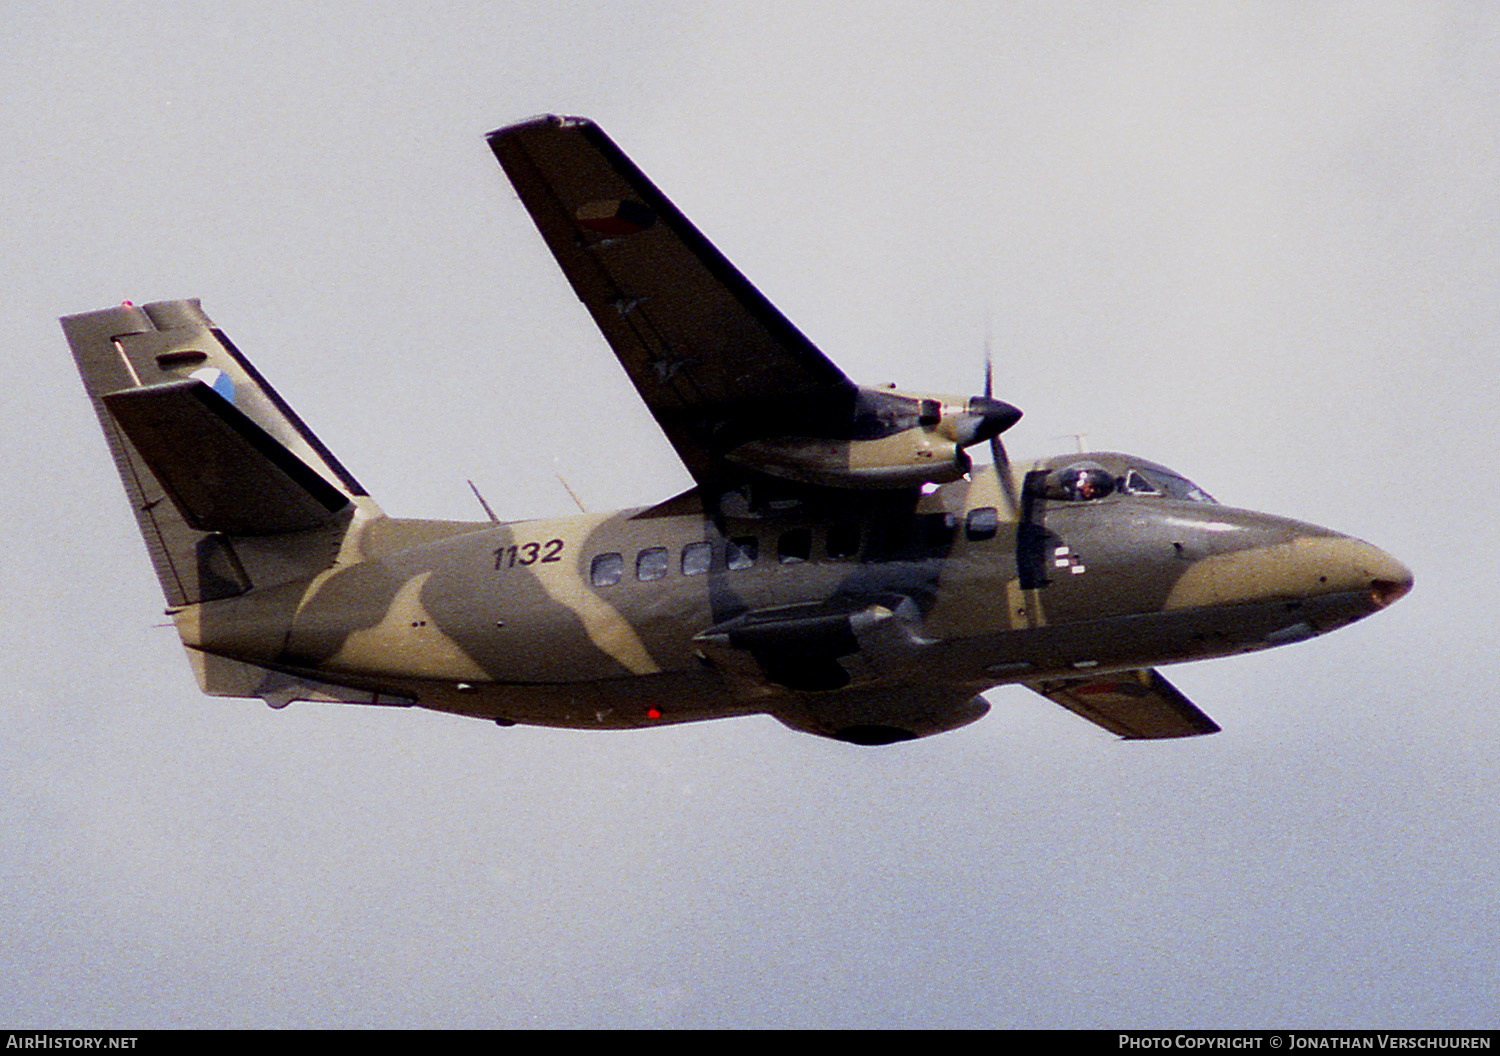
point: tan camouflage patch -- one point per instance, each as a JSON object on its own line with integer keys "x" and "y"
{"x": 408, "y": 642}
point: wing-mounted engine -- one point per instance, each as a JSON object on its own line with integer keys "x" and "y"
{"x": 733, "y": 384}
{"x": 890, "y": 440}
{"x": 816, "y": 647}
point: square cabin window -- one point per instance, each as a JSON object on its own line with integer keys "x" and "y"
{"x": 794, "y": 546}
{"x": 843, "y": 541}
{"x": 696, "y": 558}
{"x": 607, "y": 570}
{"x": 935, "y": 532}
{"x": 741, "y": 552}
{"x": 982, "y": 523}
{"x": 652, "y": 563}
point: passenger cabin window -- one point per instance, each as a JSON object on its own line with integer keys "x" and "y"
{"x": 843, "y": 541}
{"x": 911, "y": 538}
{"x": 651, "y": 564}
{"x": 935, "y": 531}
{"x": 696, "y": 558}
{"x": 607, "y": 570}
{"x": 794, "y": 546}
{"x": 982, "y": 523}
{"x": 741, "y": 552}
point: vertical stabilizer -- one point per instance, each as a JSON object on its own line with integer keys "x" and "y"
{"x": 230, "y": 489}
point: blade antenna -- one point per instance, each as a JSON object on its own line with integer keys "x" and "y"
{"x": 487, "y": 510}
{"x": 571, "y": 493}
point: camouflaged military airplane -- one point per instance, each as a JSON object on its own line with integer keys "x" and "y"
{"x": 839, "y": 565}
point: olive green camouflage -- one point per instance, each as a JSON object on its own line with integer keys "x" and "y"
{"x": 840, "y": 563}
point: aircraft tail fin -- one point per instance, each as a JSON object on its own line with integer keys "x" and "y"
{"x": 230, "y": 489}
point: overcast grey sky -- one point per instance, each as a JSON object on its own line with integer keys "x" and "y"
{"x": 1257, "y": 242}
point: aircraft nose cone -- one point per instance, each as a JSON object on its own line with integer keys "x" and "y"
{"x": 1293, "y": 560}
{"x": 1355, "y": 564}
{"x": 1390, "y": 582}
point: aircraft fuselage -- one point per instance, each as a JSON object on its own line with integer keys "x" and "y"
{"x": 579, "y": 621}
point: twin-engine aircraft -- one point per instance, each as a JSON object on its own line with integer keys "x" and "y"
{"x": 840, "y": 564}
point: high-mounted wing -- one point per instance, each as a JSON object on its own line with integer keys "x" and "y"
{"x": 716, "y": 363}
{"x": 1137, "y": 705}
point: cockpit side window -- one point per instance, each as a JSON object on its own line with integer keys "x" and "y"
{"x": 697, "y": 558}
{"x": 1082, "y": 482}
{"x": 651, "y": 563}
{"x": 794, "y": 546}
{"x": 1107, "y": 473}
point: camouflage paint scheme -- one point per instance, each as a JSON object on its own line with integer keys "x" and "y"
{"x": 839, "y": 564}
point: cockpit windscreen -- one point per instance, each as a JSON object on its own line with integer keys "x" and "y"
{"x": 1170, "y": 485}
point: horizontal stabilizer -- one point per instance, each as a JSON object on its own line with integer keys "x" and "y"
{"x": 219, "y": 676}
{"x": 223, "y": 472}
{"x": 1137, "y": 705}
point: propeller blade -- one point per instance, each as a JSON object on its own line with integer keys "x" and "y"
{"x": 1005, "y": 477}
{"x": 997, "y": 449}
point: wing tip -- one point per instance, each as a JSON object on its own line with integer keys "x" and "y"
{"x": 538, "y": 121}
{"x": 1204, "y": 730}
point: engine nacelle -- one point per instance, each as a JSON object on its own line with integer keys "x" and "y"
{"x": 906, "y": 459}
{"x": 891, "y": 439}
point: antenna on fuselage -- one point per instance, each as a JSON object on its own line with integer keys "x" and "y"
{"x": 1079, "y": 441}
{"x": 487, "y": 510}
{"x": 571, "y": 493}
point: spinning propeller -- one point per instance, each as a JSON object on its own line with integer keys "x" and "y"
{"x": 1004, "y": 416}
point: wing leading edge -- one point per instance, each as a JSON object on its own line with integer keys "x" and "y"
{"x": 716, "y": 363}
{"x": 1136, "y": 705}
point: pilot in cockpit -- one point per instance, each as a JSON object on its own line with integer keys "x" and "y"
{"x": 1081, "y": 482}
